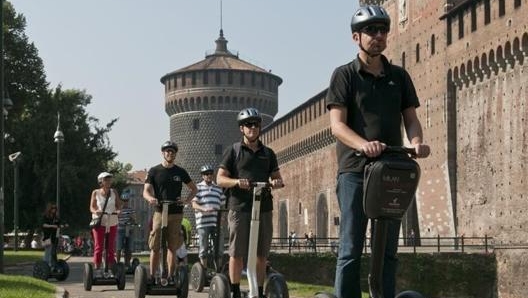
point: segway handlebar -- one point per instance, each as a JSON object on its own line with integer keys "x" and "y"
{"x": 393, "y": 149}
{"x": 169, "y": 202}
{"x": 130, "y": 224}
{"x": 262, "y": 184}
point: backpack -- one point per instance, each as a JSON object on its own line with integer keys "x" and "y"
{"x": 236, "y": 151}
{"x": 390, "y": 185}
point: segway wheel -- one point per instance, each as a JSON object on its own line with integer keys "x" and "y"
{"x": 63, "y": 270}
{"x": 134, "y": 263}
{"x": 140, "y": 282}
{"x": 409, "y": 294}
{"x": 120, "y": 275}
{"x": 41, "y": 270}
{"x": 197, "y": 277}
{"x": 182, "y": 282}
{"x": 219, "y": 287}
{"x": 88, "y": 277}
{"x": 324, "y": 295}
{"x": 276, "y": 287}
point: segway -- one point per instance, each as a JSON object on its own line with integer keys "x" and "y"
{"x": 161, "y": 285}
{"x": 60, "y": 270}
{"x": 201, "y": 275}
{"x": 133, "y": 262}
{"x": 110, "y": 276}
{"x": 388, "y": 191}
{"x": 275, "y": 284}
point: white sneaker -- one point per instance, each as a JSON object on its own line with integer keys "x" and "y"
{"x": 98, "y": 273}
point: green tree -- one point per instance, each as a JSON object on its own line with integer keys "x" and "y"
{"x": 120, "y": 172}
{"x": 32, "y": 122}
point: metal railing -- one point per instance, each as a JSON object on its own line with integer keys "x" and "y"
{"x": 436, "y": 244}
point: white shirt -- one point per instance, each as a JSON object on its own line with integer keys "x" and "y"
{"x": 110, "y": 207}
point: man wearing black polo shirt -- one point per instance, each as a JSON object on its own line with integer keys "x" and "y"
{"x": 246, "y": 162}
{"x": 368, "y": 98}
{"x": 164, "y": 182}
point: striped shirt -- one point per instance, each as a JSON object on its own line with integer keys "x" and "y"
{"x": 126, "y": 216}
{"x": 208, "y": 196}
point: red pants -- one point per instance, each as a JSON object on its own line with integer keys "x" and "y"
{"x": 98, "y": 235}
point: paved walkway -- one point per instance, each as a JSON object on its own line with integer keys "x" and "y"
{"x": 73, "y": 285}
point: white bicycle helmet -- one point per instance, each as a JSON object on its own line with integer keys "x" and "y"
{"x": 103, "y": 175}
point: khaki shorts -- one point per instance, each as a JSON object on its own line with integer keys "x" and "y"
{"x": 173, "y": 235}
{"x": 239, "y": 227}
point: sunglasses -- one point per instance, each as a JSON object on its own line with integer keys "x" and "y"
{"x": 373, "y": 30}
{"x": 207, "y": 173}
{"x": 251, "y": 124}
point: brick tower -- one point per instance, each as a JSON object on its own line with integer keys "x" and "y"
{"x": 203, "y": 100}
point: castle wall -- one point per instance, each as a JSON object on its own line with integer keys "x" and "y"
{"x": 469, "y": 63}
{"x": 488, "y": 72}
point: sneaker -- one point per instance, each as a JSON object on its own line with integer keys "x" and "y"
{"x": 151, "y": 280}
{"x": 235, "y": 295}
{"x": 171, "y": 280}
{"x": 98, "y": 273}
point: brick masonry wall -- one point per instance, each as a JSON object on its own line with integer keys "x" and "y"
{"x": 473, "y": 109}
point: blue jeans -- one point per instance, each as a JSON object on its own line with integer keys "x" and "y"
{"x": 352, "y": 230}
{"x": 203, "y": 239}
{"x": 50, "y": 254}
{"x": 121, "y": 239}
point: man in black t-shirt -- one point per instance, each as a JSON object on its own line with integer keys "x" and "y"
{"x": 243, "y": 163}
{"x": 164, "y": 182}
{"x": 368, "y": 98}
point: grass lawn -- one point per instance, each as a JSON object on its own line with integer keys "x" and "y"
{"x": 17, "y": 286}
{"x": 12, "y": 257}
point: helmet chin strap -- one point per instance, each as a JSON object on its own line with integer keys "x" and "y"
{"x": 251, "y": 141}
{"x": 168, "y": 162}
{"x": 371, "y": 55}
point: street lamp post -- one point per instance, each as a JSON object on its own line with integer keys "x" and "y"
{"x": 59, "y": 138}
{"x": 2, "y": 136}
{"x": 15, "y": 158}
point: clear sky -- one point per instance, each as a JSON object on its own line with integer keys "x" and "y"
{"x": 117, "y": 50}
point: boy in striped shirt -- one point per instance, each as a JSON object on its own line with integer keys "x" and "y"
{"x": 206, "y": 204}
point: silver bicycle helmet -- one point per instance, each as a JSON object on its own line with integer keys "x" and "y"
{"x": 367, "y": 15}
{"x": 248, "y": 114}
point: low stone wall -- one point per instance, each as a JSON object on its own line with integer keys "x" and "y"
{"x": 444, "y": 275}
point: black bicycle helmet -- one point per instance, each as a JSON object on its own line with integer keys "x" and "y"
{"x": 248, "y": 114}
{"x": 206, "y": 169}
{"x": 125, "y": 196}
{"x": 367, "y": 15}
{"x": 169, "y": 145}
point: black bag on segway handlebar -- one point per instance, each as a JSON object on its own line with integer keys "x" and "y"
{"x": 390, "y": 184}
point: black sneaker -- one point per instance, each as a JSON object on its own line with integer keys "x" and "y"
{"x": 151, "y": 280}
